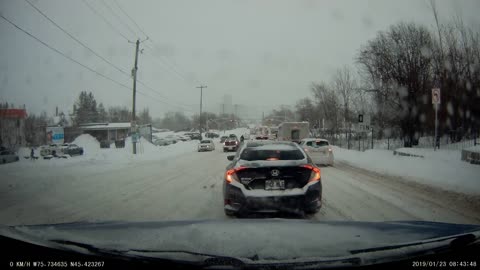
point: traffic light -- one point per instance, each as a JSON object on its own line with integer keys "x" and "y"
{"x": 360, "y": 118}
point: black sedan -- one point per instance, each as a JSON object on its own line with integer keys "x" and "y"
{"x": 271, "y": 177}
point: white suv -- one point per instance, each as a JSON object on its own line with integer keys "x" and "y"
{"x": 319, "y": 150}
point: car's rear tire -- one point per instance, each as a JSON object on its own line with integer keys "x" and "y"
{"x": 229, "y": 213}
{"x": 311, "y": 211}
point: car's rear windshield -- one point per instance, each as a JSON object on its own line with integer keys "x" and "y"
{"x": 206, "y": 141}
{"x": 262, "y": 153}
{"x": 318, "y": 143}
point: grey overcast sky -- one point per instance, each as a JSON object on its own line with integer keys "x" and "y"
{"x": 262, "y": 53}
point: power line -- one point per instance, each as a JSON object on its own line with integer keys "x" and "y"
{"x": 131, "y": 19}
{"x": 77, "y": 62}
{"x": 118, "y": 17}
{"x": 78, "y": 41}
{"x": 105, "y": 20}
{"x": 126, "y": 73}
{"x": 62, "y": 54}
{"x": 170, "y": 65}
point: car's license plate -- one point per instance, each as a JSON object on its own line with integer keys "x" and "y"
{"x": 274, "y": 184}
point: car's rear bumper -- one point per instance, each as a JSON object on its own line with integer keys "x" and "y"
{"x": 322, "y": 158}
{"x": 230, "y": 147}
{"x": 239, "y": 200}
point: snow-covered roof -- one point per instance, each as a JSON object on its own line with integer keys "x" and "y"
{"x": 106, "y": 126}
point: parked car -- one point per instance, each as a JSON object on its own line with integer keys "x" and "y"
{"x": 51, "y": 149}
{"x": 231, "y": 144}
{"x": 271, "y": 176}
{"x": 161, "y": 142}
{"x": 183, "y": 138}
{"x": 73, "y": 150}
{"x": 211, "y": 135}
{"x": 319, "y": 150}
{"x": 206, "y": 145}
{"x": 223, "y": 138}
{"x": 196, "y": 136}
{"x": 171, "y": 138}
{"x": 7, "y": 156}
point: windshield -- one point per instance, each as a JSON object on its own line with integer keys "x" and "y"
{"x": 271, "y": 153}
{"x": 312, "y": 110}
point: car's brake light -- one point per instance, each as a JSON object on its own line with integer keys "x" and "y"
{"x": 315, "y": 175}
{"x": 230, "y": 174}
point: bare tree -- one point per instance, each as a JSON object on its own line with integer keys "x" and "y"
{"x": 327, "y": 104}
{"x": 400, "y": 59}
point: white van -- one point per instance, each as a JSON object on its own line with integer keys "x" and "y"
{"x": 293, "y": 131}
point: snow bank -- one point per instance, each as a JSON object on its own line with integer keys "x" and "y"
{"x": 475, "y": 149}
{"x": 441, "y": 168}
{"x": 88, "y": 142}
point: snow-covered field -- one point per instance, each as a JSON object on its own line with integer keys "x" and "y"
{"x": 442, "y": 168}
{"x": 177, "y": 183}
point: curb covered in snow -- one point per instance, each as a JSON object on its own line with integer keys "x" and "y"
{"x": 396, "y": 152}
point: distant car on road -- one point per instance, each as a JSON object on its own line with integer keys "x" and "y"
{"x": 73, "y": 150}
{"x": 231, "y": 144}
{"x": 319, "y": 150}
{"x": 7, "y": 156}
{"x": 223, "y": 138}
{"x": 270, "y": 176}
{"x": 206, "y": 145}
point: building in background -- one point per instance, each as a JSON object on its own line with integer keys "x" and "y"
{"x": 12, "y": 128}
{"x": 107, "y": 133}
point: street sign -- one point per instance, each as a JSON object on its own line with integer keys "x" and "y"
{"x": 436, "y": 101}
{"x": 135, "y": 137}
{"x": 436, "y": 96}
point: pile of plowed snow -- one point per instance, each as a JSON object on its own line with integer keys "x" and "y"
{"x": 88, "y": 142}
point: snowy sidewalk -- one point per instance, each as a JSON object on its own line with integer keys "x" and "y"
{"x": 442, "y": 169}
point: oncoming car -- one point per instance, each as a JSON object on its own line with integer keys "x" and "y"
{"x": 231, "y": 144}
{"x": 319, "y": 150}
{"x": 206, "y": 145}
{"x": 268, "y": 176}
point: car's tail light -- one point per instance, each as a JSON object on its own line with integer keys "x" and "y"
{"x": 315, "y": 175}
{"x": 231, "y": 176}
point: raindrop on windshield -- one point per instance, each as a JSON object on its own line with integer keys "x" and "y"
{"x": 450, "y": 108}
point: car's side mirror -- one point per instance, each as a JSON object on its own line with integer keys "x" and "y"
{"x": 230, "y": 157}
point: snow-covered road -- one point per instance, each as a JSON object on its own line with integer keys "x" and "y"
{"x": 189, "y": 186}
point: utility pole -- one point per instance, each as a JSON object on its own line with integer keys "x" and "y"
{"x": 200, "y": 118}
{"x": 134, "y": 74}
